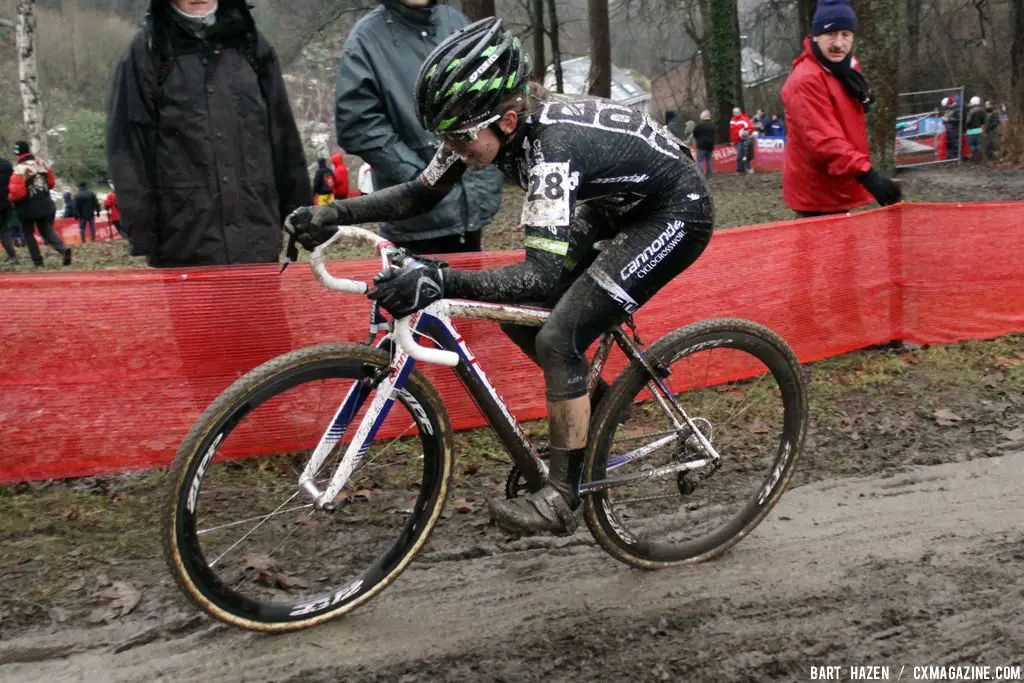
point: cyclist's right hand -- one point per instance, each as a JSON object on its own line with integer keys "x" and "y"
{"x": 311, "y": 226}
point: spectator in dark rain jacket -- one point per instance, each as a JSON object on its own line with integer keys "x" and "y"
{"x": 323, "y": 183}
{"x": 375, "y": 118}
{"x": 201, "y": 141}
{"x": 992, "y": 121}
{"x": 975, "y": 127}
{"x": 87, "y": 206}
{"x": 69, "y": 205}
{"x": 704, "y": 139}
{"x": 6, "y": 169}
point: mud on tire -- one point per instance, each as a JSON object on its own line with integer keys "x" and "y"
{"x": 759, "y": 493}
{"x": 245, "y": 603}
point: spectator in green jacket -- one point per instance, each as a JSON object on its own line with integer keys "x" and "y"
{"x": 375, "y": 118}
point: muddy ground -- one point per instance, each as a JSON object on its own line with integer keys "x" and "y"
{"x": 900, "y": 543}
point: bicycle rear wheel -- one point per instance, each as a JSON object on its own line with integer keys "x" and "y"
{"x": 246, "y": 544}
{"x": 743, "y": 388}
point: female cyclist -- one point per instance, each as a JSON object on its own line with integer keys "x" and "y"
{"x": 592, "y": 170}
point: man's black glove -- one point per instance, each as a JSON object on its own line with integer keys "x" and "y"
{"x": 404, "y": 292}
{"x": 311, "y": 226}
{"x": 882, "y": 187}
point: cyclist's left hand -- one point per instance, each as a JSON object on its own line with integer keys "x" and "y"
{"x": 404, "y": 292}
{"x": 311, "y": 226}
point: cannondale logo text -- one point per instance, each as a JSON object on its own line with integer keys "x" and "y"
{"x": 655, "y": 252}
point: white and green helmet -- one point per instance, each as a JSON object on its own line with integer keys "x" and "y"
{"x": 466, "y": 77}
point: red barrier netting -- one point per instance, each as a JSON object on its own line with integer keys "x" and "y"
{"x": 106, "y": 371}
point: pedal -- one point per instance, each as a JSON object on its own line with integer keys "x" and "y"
{"x": 515, "y": 482}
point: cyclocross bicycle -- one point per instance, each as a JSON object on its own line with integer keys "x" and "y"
{"x": 688, "y": 451}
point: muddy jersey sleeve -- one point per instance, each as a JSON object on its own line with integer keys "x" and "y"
{"x": 411, "y": 199}
{"x": 533, "y": 280}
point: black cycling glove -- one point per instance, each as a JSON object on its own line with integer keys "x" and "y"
{"x": 882, "y": 187}
{"x": 311, "y": 226}
{"x": 404, "y": 292}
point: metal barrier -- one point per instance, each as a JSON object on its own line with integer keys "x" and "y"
{"x": 929, "y": 127}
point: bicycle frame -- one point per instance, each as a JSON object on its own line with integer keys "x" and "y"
{"x": 435, "y": 323}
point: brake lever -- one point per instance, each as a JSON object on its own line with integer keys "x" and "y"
{"x": 291, "y": 254}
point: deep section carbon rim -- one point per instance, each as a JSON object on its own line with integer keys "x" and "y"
{"x": 249, "y": 547}
{"x": 743, "y": 389}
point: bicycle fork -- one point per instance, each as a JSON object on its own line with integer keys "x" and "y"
{"x": 387, "y": 388}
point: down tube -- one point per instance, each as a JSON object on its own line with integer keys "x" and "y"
{"x": 487, "y": 399}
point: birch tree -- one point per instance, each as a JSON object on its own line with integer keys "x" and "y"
{"x": 28, "y": 76}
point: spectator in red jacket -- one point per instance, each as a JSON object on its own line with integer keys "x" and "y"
{"x": 113, "y": 213}
{"x": 828, "y": 166}
{"x": 340, "y": 176}
{"x": 29, "y": 192}
{"x": 740, "y": 128}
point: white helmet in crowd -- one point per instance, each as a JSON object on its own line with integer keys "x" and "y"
{"x": 975, "y": 101}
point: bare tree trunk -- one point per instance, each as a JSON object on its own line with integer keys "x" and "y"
{"x": 738, "y": 46}
{"x": 600, "y": 77}
{"x": 540, "y": 64}
{"x": 556, "y": 53}
{"x": 28, "y": 76}
{"x": 913, "y": 40}
{"x": 478, "y": 9}
{"x": 805, "y": 17}
{"x": 1017, "y": 61}
{"x": 879, "y": 48}
{"x": 725, "y": 62}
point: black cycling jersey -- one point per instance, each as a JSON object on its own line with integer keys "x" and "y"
{"x": 592, "y": 170}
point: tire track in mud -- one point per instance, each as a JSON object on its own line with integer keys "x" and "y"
{"x": 920, "y": 568}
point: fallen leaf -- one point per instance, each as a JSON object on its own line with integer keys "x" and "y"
{"x": 945, "y": 417}
{"x": 361, "y": 494}
{"x": 289, "y": 582}
{"x": 1005, "y": 362}
{"x": 759, "y": 428}
{"x": 472, "y": 468}
{"x": 123, "y": 599}
{"x": 463, "y": 506}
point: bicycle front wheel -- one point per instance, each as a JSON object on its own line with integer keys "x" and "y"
{"x": 657, "y": 506}
{"x": 246, "y": 544}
